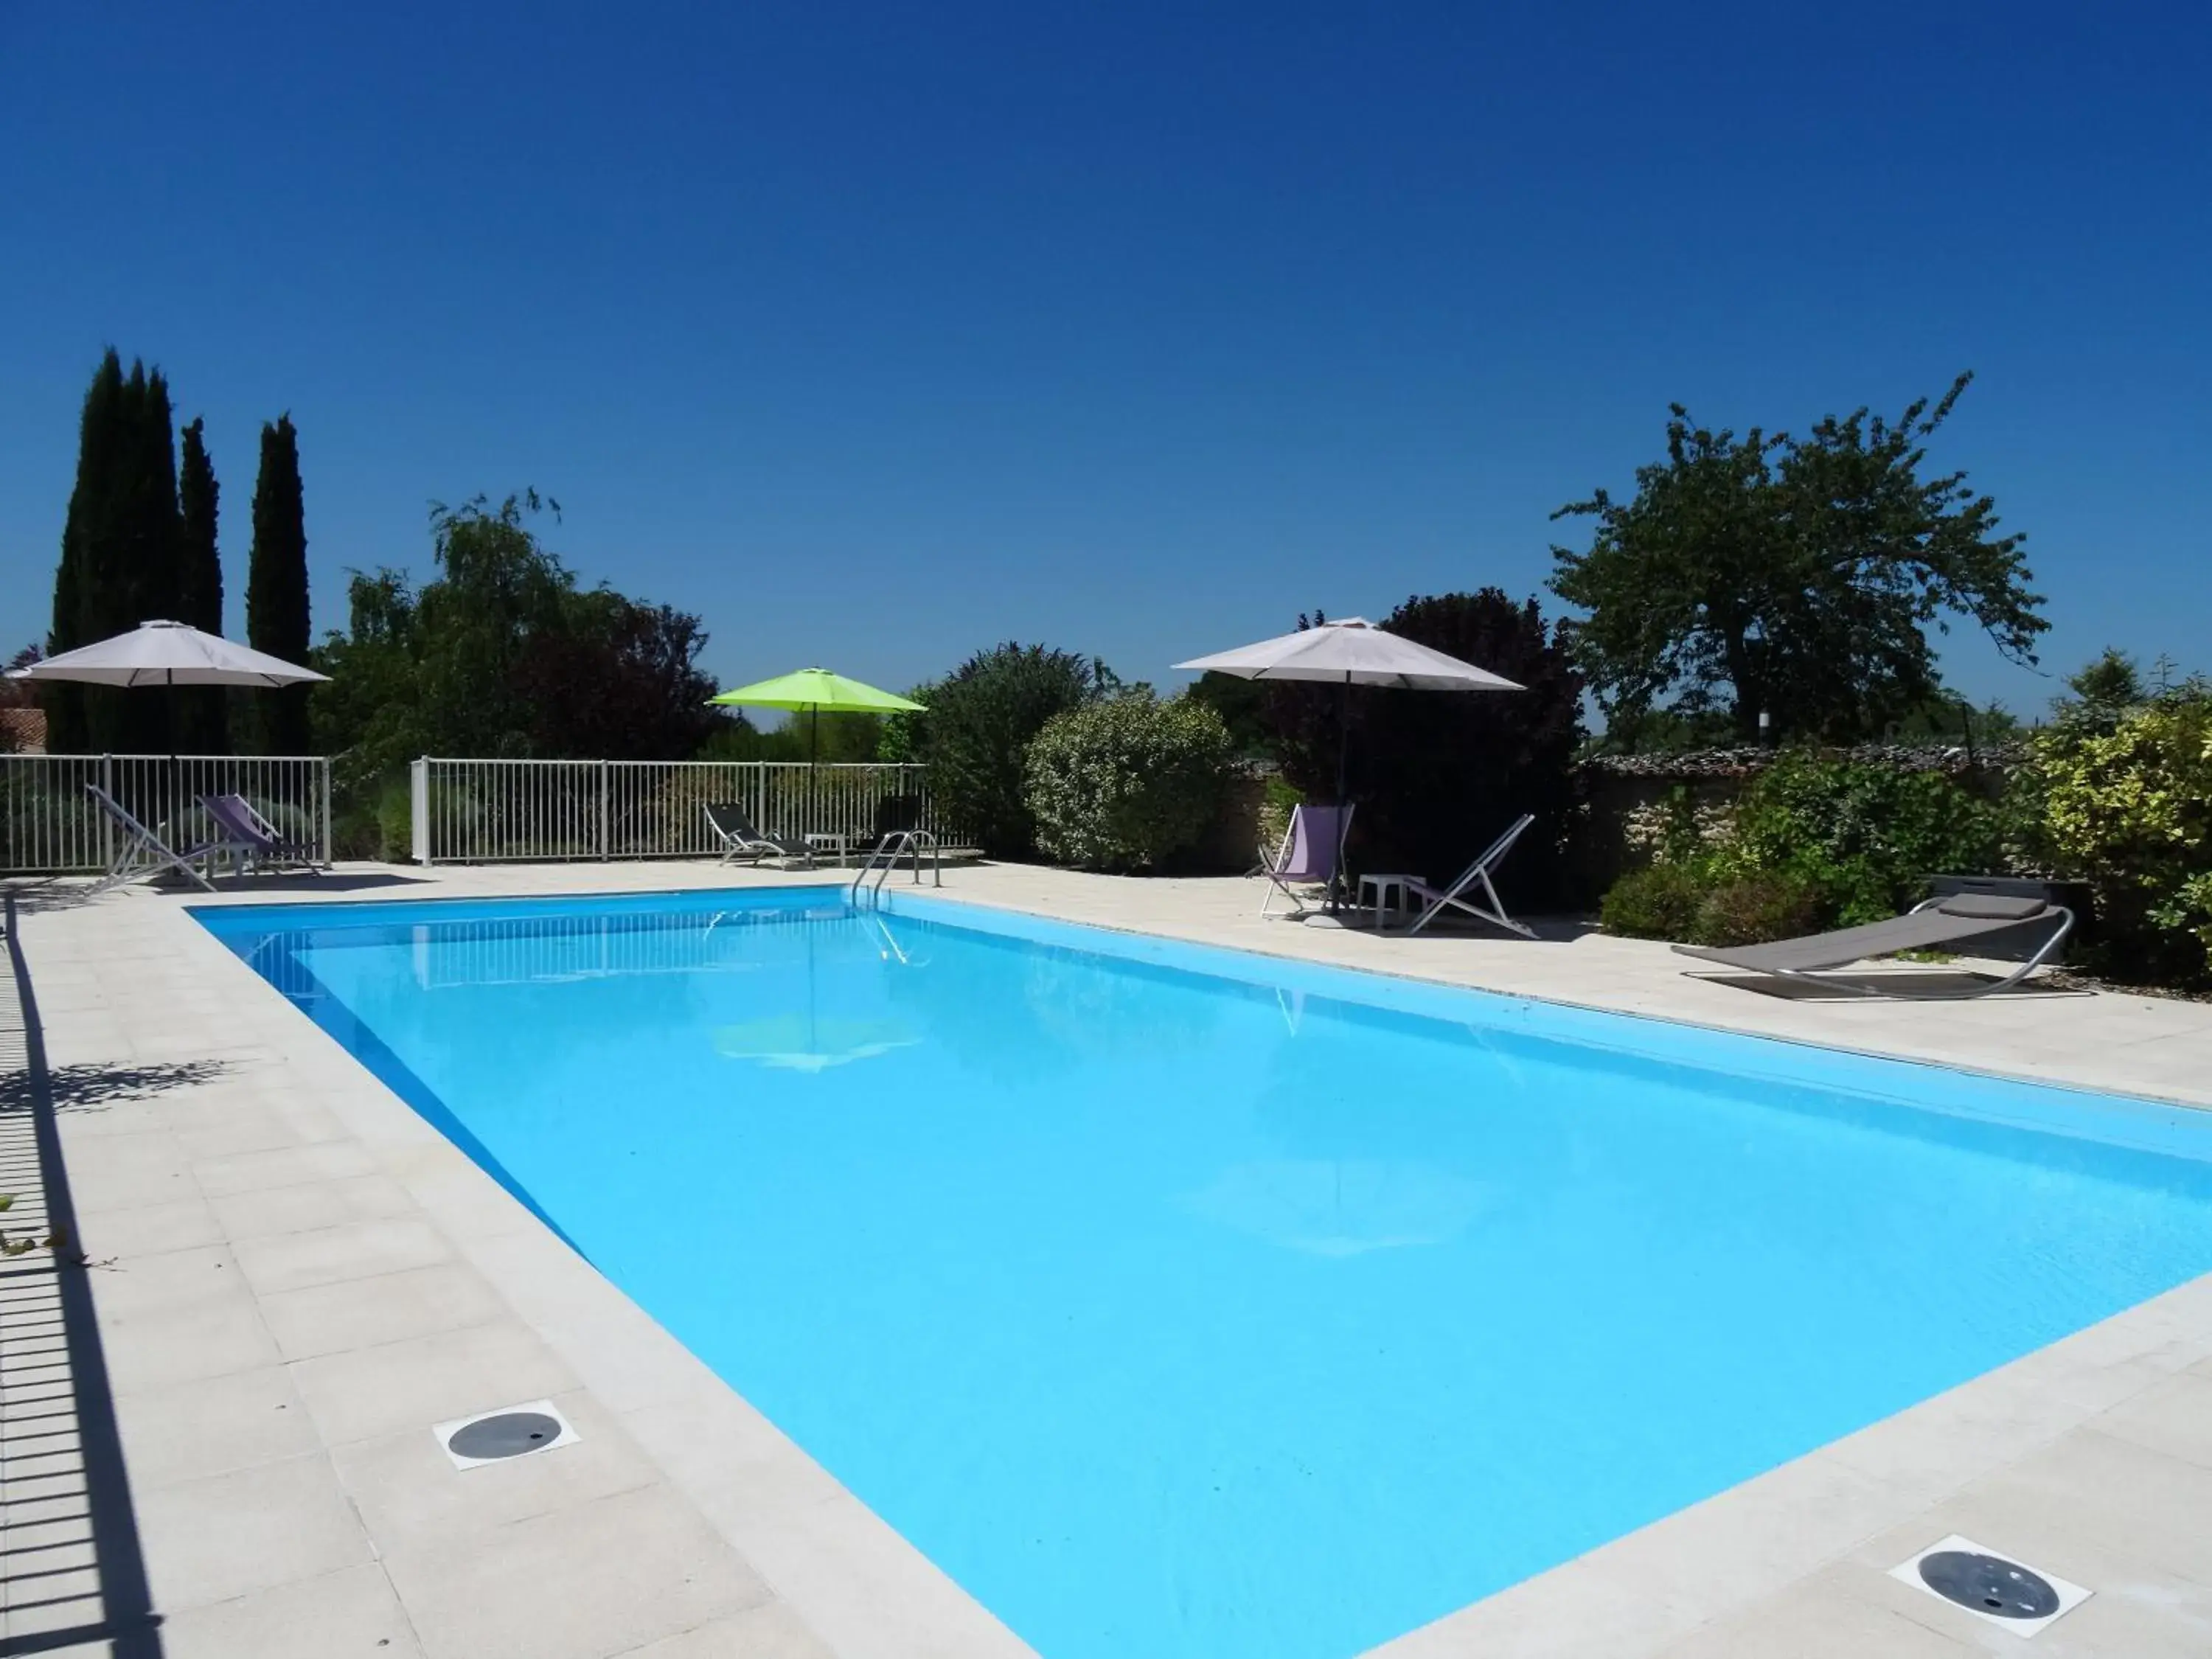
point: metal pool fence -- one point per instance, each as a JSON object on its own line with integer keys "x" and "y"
{"x": 482, "y": 811}
{"x": 49, "y": 825}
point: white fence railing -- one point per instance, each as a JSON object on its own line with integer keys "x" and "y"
{"x": 49, "y": 825}
{"x": 483, "y": 812}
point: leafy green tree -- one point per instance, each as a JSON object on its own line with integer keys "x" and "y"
{"x": 503, "y": 655}
{"x": 981, "y": 720}
{"x": 120, "y": 554}
{"x": 203, "y": 711}
{"x": 904, "y": 737}
{"x": 276, "y": 619}
{"x": 1949, "y": 718}
{"x": 1243, "y": 705}
{"x": 616, "y": 678}
{"x": 1798, "y": 577}
{"x": 2104, "y": 692}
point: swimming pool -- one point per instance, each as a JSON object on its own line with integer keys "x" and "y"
{"x": 1182, "y": 1302}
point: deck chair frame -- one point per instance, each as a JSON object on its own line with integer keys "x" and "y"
{"x": 141, "y": 855}
{"x": 1477, "y": 875}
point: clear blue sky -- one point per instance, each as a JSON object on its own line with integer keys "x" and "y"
{"x": 877, "y": 334}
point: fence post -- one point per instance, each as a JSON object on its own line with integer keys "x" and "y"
{"x": 107, "y": 820}
{"x": 418, "y": 828}
{"x": 603, "y": 809}
{"x": 326, "y": 768}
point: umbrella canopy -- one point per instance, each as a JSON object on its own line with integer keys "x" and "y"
{"x": 166, "y": 654}
{"x": 1353, "y": 651}
{"x": 816, "y": 689}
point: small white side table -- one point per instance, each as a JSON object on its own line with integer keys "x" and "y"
{"x": 1392, "y": 890}
{"x": 826, "y": 840}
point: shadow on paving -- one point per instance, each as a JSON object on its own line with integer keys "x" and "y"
{"x": 33, "y": 896}
{"x": 82, "y": 1088}
{"x": 71, "y": 1573}
{"x": 1891, "y": 985}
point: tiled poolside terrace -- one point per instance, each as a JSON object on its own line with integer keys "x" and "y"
{"x": 294, "y": 1277}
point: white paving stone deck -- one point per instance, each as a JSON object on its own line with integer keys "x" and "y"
{"x": 295, "y": 1277}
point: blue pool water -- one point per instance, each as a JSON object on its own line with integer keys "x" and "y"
{"x": 1180, "y": 1302}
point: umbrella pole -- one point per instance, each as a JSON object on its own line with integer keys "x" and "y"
{"x": 1337, "y": 886}
{"x": 1343, "y": 733}
{"x": 176, "y": 802}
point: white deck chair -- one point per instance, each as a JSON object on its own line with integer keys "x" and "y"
{"x": 1476, "y": 874}
{"x": 140, "y": 852}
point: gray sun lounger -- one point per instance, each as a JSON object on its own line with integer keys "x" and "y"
{"x": 1933, "y": 925}
{"x": 739, "y": 838}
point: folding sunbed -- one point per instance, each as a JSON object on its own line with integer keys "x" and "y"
{"x": 739, "y": 838}
{"x": 1934, "y": 924}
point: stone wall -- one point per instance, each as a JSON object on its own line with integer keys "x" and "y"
{"x": 1616, "y": 786}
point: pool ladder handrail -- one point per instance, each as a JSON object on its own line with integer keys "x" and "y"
{"x": 885, "y": 857}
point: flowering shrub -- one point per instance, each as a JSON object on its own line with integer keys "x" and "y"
{"x": 1128, "y": 782}
{"x": 2126, "y": 806}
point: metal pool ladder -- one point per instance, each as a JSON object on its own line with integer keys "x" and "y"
{"x": 882, "y": 861}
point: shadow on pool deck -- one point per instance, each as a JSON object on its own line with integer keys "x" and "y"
{"x": 71, "y": 1571}
{"x": 34, "y": 895}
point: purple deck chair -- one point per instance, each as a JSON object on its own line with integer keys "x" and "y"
{"x": 1308, "y": 856}
{"x": 249, "y": 840}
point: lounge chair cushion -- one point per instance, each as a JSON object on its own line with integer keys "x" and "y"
{"x": 1992, "y": 906}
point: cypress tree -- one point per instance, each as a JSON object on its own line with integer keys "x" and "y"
{"x": 276, "y": 588}
{"x": 120, "y": 546}
{"x": 203, "y": 711}
{"x": 98, "y": 430}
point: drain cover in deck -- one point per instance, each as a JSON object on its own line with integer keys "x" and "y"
{"x": 1991, "y": 1586}
{"x": 495, "y": 1437}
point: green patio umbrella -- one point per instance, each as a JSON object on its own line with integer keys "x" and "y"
{"x": 813, "y": 690}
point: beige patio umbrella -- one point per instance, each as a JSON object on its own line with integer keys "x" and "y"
{"x": 1352, "y": 652}
{"x": 167, "y": 654}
